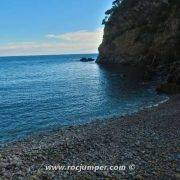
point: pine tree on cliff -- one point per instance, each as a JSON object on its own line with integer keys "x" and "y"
{"x": 109, "y": 12}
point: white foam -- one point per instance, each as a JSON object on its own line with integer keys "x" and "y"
{"x": 161, "y": 102}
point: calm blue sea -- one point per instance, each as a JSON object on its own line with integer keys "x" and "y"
{"x": 39, "y": 93}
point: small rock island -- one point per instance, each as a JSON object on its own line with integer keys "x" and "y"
{"x": 83, "y": 59}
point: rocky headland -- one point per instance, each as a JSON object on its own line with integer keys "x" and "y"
{"x": 144, "y": 33}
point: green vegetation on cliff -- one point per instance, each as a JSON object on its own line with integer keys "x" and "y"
{"x": 140, "y": 31}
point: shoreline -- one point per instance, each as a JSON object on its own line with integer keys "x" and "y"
{"x": 94, "y": 120}
{"x": 147, "y": 138}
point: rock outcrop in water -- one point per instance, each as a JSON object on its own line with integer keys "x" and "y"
{"x": 86, "y": 59}
{"x": 145, "y": 33}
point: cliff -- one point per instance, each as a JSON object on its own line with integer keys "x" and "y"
{"x": 143, "y": 32}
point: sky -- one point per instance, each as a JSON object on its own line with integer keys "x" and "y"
{"x": 34, "y": 27}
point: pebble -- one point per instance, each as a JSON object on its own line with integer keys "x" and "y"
{"x": 177, "y": 175}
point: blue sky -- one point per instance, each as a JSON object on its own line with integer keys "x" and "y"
{"x": 51, "y": 26}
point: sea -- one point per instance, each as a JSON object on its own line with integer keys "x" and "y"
{"x": 43, "y": 93}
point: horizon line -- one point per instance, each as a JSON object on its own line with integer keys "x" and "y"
{"x": 30, "y": 55}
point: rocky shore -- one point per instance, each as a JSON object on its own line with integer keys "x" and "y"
{"x": 149, "y": 139}
{"x": 144, "y": 33}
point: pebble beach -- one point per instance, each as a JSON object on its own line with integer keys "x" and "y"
{"x": 149, "y": 140}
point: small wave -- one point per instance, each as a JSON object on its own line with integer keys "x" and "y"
{"x": 161, "y": 102}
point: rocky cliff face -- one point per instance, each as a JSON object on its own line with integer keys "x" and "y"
{"x": 142, "y": 32}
